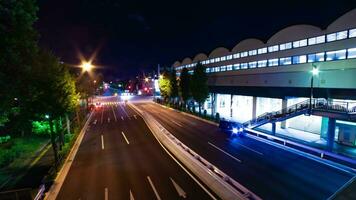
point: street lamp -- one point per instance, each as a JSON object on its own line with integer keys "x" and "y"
{"x": 315, "y": 72}
{"x": 86, "y": 66}
{"x": 146, "y": 79}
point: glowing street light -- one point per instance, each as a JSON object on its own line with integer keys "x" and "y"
{"x": 315, "y": 72}
{"x": 86, "y": 66}
{"x": 146, "y": 79}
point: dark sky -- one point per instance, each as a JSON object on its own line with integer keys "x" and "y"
{"x": 132, "y": 36}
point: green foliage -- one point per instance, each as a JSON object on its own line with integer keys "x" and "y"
{"x": 174, "y": 84}
{"x": 40, "y": 127}
{"x": 199, "y": 85}
{"x": 5, "y": 139}
{"x": 165, "y": 86}
{"x": 184, "y": 85}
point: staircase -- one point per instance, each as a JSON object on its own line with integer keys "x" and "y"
{"x": 339, "y": 109}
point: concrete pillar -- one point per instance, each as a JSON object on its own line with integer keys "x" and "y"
{"x": 284, "y": 106}
{"x": 254, "y": 107}
{"x": 213, "y": 104}
{"x": 231, "y": 104}
{"x": 273, "y": 128}
{"x": 331, "y": 134}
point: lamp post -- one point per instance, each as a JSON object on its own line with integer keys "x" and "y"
{"x": 315, "y": 72}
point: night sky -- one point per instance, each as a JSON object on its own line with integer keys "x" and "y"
{"x": 132, "y": 36}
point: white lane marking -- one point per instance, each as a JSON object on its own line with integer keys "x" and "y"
{"x": 135, "y": 117}
{"x": 180, "y": 191}
{"x": 102, "y": 115}
{"x": 123, "y": 134}
{"x": 124, "y": 111}
{"x": 177, "y": 123}
{"x": 131, "y": 196}
{"x": 122, "y": 118}
{"x": 114, "y": 113}
{"x": 106, "y": 194}
{"x": 231, "y": 156}
{"x": 102, "y": 142}
{"x": 248, "y": 148}
{"x": 154, "y": 188}
{"x": 178, "y": 163}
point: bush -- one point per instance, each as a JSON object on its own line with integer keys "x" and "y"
{"x": 5, "y": 139}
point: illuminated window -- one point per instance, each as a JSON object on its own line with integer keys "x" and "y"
{"x": 285, "y": 61}
{"x": 223, "y": 68}
{"x": 299, "y": 59}
{"x": 217, "y": 59}
{"x": 285, "y": 46}
{"x": 229, "y": 57}
{"x": 273, "y": 62}
{"x": 229, "y": 67}
{"x": 352, "y": 33}
{"x": 351, "y": 53}
{"x": 312, "y": 41}
{"x": 236, "y": 66}
{"x": 336, "y": 55}
{"x": 207, "y": 61}
{"x": 300, "y": 43}
{"x": 217, "y": 69}
{"x": 341, "y": 35}
{"x": 223, "y": 58}
{"x": 262, "y": 63}
{"x": 212, "y": 60}
{"x": 331, "y": 37}
{"x": 318, "y": 57}
{"x": 252, "y": 52}
{"x": 252, "y": 64}
{"x": 262, "y": 50}
{"x": 207, "y": 70}
{"x": 320, "y": 39}
{"x": 273, "y": 48}
{"x": 244, "y": 66}
{"x": 244, "y": 54}
{"x": 236, "y": 55}
{"x": 203, "y": 62}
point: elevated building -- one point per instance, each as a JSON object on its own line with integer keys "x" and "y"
{"x": 258, "y": 78}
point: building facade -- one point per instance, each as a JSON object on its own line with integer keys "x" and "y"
{"x": 256, "y": 77}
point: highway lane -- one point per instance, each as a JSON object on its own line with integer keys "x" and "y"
{"x": 268, "y": 171}
{"x": 119, "y": 158}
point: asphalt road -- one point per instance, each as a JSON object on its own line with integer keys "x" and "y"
{"x": 268, "y": 171}
{"x": 119, "y": 158}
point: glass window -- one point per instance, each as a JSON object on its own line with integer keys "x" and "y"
{"x": 236, "y": 55}
{"x": 336, "y": 55}
{"x": 299, "y": 59}
{"x": 311, "y": 58}
{"x": 352, "y": 33}
{"x": 285, "y": 61}
{"x": 236, "y": 66}
{"x": 312, "y": 41}
{"x": 273, "y": 62}
{"x": 229, "y": 57}
{"x": 320, "y": 57}
{"x": 212, "y": 69}
{"x": 243, "y": 66}
{"x": 351, "y": 53}
{"x": 273, "y": 48}
{"x": 262, "y": 63}
{"x": 300, "y": 43}
{"x": 223, "y": 68}
{"x": 341, "y": 35}
{"x": 203, "y": 62}
{"x": 252, "y": 64}
{"x": 331, "y": 37}
{"x": 320, "y": 39}
{"x": 217, "y": 59}
{"x": 262, "y": 50}
{"x": 229, "y": 67}
{"x": 252, "y": 52}
{"x": 217, "y": 69}
{"x": 223, "y": 58}
{"x": 212, "y": 60}
{"x": 207, "y": 70}
{"x": 244, "y": 54}
{"x": 207, "y": 61}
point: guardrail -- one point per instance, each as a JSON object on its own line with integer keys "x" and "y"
{"x": 40, "y": 193}
{"x": 223, "y": 185}
{"x": 314, "y": 151}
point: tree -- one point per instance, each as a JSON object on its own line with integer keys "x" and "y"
{"x": 18, "y": 49}
{"x": 165, "y": 86}
{"x": 199, "y": 85}
{"x": 184, "y": 86}
{"x": 174, "y": 85}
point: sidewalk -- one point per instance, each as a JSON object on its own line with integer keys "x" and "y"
{"x": 310, "y": 139}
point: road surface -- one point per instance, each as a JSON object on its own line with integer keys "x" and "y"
{"x": 268, "y": 171}
{"x": 119, "y": 158}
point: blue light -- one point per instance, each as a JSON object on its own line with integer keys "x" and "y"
{"x": 241, "y": 130}
{"x": 234, "y": 130}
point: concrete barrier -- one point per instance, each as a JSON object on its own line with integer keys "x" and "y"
{"x": 223, "y": 185}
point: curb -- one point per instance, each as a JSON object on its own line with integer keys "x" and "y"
{"x": 62, "y": 174}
